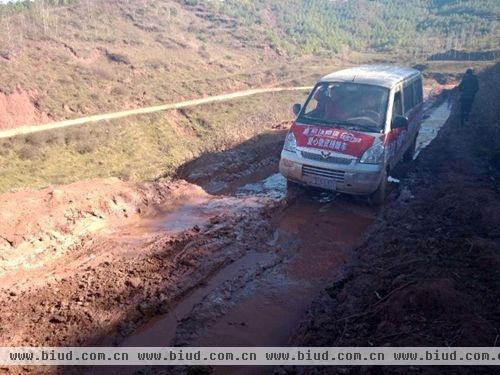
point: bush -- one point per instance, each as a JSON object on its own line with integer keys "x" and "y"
{"x": 5, "y": 148}
{"x": 28, "y": 153}
{"x": 116, "y": 57}
{"x": 125, "y": 174}
{"x": 85, "y": 147}
{"x": 36, "y": 139}
{"x": 74, "y": 135}
{"x": 117, "y": 91}
{"x": 54, "y": 138}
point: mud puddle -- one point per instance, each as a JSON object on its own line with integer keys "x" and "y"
{"x": 260, "y": 298}
{"x": 191, "y": 212}
{"x": 314, "y": 238}
{"x": 161, "y": 331}
{"x": 273, "y": 186}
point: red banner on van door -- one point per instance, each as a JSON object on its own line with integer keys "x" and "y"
{"x": 332, "y": 139}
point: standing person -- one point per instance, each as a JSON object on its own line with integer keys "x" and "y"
{"x": 468, "y": 88}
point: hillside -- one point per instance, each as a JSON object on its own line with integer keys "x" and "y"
{"x": 92, "y": 56}
{"x": 64, "y": 58}
{"x": 322, "y": 26}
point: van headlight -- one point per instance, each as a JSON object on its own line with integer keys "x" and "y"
{"x": 374, "y": 155}
{"x": 290, "y": 143}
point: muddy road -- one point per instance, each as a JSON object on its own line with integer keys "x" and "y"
{"x": 222, "y": 257}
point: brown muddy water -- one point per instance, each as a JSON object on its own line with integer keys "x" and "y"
{"x": 261, "y": 298}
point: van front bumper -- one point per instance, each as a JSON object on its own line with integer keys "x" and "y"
{"x": 354, "y": 178}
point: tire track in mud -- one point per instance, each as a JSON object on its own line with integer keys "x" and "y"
{"x": 101, "y": 303}
{"x": 312, "y": 241}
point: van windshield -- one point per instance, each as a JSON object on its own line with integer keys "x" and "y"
{"x": 346, "y": 104}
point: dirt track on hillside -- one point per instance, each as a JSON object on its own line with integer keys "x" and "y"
{"x": 29, "y": 128}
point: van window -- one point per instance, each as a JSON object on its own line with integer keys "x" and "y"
{"x": 408, "y": 97}
{"x": 346, "y": 104}
{"x": 397, "y": 107}
{"x": 417, "y": 91}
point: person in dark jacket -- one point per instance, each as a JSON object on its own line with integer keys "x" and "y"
{"x": 468, "y": 88}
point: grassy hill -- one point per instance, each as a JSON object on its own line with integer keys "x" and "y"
{"x": 73, "y": 57}
{"x": 141, "y": 147}
{"x": 419, "y": 26}
{"x": 62, "y": 59}
{"x": 94, "y": 56}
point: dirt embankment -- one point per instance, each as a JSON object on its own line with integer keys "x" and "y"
{"x": 429, "y": 274}
{"x": 20, "y": 108}
{"x": 100, "y": 259}
{"x": 41, "y": 225}
{"x": 220, "y": 172}
{"x": 121, "y": 277}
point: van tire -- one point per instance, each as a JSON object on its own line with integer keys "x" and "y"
{"x": 378, "y": 197}
{"x": 293, "y": 189}
{"x": 408, "y": 155}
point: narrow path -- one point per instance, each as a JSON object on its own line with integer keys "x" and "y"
{"x": 139, "y": 111}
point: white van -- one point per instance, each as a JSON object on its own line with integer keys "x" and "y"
{"x": 354, "y": 127}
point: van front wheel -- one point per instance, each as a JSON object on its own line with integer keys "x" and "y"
{"x": 293, "y": 189}
{"x": 378, "y": 197}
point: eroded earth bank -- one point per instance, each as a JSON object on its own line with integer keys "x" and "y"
{"x": 223, "y": 256}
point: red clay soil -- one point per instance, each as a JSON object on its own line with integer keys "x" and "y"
{"x": 19, "y": 108}
{"x": 88, "y": 263}
{"x": 40, "y": 225}
{"x": 116, "y": 280}
{"x": 429, "y": 274}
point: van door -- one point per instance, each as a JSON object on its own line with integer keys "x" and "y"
{"x": 412, "y": 104}
{"x": 394, "y": 140}
{"x": 415, "y": 117}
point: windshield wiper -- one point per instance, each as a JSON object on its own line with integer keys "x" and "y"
{"x": 342, "y": 124}
{"x": 361, "y": 127}
{"x": 322, "y": 122}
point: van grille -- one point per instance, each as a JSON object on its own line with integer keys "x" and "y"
{"x": 308, "y": 170}
{"x": 328, "y": 159}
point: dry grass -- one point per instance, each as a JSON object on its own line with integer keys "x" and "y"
{"x": 141, "y": 147}
{"x": 106, "y": 56}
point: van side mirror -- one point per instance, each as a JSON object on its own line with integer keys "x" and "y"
{"x": 400, "y": 122}
{"x": 296, "y": 109}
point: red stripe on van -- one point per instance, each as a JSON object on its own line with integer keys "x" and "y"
{"x": 332, "y": 139}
